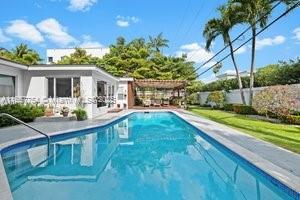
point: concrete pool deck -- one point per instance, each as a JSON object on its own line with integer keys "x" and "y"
{"x": 277, "y": 162}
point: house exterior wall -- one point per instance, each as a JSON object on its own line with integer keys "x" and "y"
{"x": 18, "y": 73}
{"x": 122, "y": 94}
{"x": 57, "y": 54}
{"x": 32, "y": 82}
{"x": 109, "y": 81}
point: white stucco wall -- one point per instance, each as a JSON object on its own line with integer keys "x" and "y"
{"x": 17, "y": 72}
{"x": 122, "y": 91}
{"x": 234, "y": 95}
{"x": 109, "y": 81}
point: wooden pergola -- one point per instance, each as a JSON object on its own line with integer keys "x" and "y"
{"x": 174, "y": 86}
{"x": 160, "y": 84}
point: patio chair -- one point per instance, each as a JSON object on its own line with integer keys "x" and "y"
{"x": 147, "y": 103}
{"x": 157, "y": 103}
{"x": 166, "y": 103}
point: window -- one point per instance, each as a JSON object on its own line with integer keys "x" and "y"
{"x": 50, "y": 59}
{"x": 7, "y": 86}
{"x": 50, "y": 87}
{"x": 64, "y": 87}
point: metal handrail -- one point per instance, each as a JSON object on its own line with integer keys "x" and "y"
{"x": 29, "y": 126}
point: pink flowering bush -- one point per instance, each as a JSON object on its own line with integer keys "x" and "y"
{"x": 275, "y": 100}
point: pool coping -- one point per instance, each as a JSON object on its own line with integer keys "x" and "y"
{"x": 284, "y": 177}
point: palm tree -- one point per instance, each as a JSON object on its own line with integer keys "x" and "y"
{"x": 158, "y": 42}
{"x": 249, "y": 12}
{"x": 22, "y": 54}
{"x": 221, "y": 27}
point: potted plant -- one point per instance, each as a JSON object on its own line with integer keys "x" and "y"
{"x": 49, "y": 111}
{"x": 64, "y": 111}
{"x": 80, "y": 114}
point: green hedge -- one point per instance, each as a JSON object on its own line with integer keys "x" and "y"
{"x": 243, "y": 109}
{"x": 228, "y": 107}
{"x": 278, "y": 74}
{"x": 24, "y": 112}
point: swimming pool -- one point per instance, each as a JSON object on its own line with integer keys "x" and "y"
{"x": 154, "y": 155}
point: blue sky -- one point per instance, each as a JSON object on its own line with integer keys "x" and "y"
{"x": 93, "y": 23}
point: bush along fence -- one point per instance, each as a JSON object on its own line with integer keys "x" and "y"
{"x": 281, "y": 102}
{"x": 276, "y": 74}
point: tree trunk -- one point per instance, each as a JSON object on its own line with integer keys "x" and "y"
{"x": 238, "y": 77}
{"x": 252, "y": 65}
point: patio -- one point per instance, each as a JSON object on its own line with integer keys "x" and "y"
{"x": 160, "y": 93}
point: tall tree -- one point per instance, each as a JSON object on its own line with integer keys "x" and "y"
{"x": 249, "y": 12}
{"x": 221, "y": 27}
{"x": 80, "y": 56}
{"x": 137, "y": 59}
{"x": 158, "y": 42}
{"x": 21, "y": 54}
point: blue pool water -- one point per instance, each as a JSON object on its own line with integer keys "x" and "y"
{"x": 143, "y": 156}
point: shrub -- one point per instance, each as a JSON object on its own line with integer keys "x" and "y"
{"x": 24, "y": 112}
{"x": 80, "y": 114}
{"x": 278, "y": 74}
{"x": 228, "y": 107}
{"x": 277, "y": 100}
{"x": 291, "y": 119}
{"x": 216, "y": 99}
{"x": 138, "y": 101}
{"x": 193, "y": 99}
{"x": 243, "y": 109}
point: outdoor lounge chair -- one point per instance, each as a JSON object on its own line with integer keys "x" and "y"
{"x": 146, "y": 103}
{"x": 157, "y": 103}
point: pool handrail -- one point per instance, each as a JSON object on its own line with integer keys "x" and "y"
{"x": 29, "y": 126}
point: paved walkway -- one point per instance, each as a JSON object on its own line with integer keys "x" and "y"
{"x": 9, "y": 134}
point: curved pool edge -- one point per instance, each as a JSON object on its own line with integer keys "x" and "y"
{"x": 282, "y": 178}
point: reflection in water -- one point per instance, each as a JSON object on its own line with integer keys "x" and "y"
{"x": 146, "y": 156}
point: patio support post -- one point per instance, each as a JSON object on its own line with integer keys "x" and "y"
{"x": 185, "y": 99}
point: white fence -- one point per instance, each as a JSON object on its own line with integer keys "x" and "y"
{"x": 234, "y": 95}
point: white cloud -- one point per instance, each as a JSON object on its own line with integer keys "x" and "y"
{"x": 81, "y": 5}
{"x": 89, "y": 43}
{"x": 126, "y": 21}
{"x": 3, "y": 37}
{"x": 122, "y": 23}
{"x": 241, "y": 50}
{"x": 296, "y": 31}
{"x": 260, "y": 44}
{"x": 196, "y": 53}
{"x": 25, "y": 31}
{"x": 56, "y": 32}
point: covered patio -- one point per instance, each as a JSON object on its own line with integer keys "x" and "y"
{"x": 160, "y": 93}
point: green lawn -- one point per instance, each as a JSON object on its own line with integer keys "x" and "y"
{"x": 286, "y": 136}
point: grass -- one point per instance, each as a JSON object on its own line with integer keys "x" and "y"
{"x": 283, "y": 135}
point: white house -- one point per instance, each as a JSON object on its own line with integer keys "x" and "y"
{"x": 55, "y": 55}
{"x": 65, "y": 85}
{"x": 231, "y": 75}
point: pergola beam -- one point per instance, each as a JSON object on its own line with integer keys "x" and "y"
{"x": 160, "y": 84}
